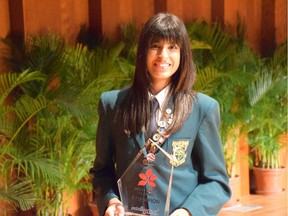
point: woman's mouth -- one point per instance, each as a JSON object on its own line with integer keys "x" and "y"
{"x": 162, "y": 65}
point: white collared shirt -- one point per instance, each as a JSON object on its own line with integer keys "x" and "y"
{"x": 161, "y": 96}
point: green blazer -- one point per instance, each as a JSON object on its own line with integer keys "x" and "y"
{"x": 200, "y": 184}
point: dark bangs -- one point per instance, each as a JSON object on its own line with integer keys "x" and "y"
{"x": 166, "y": 29}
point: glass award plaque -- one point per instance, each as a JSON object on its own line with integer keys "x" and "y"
{"x": 142, "y": 190}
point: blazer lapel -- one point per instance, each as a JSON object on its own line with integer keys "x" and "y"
{"x": 140, "y": 139}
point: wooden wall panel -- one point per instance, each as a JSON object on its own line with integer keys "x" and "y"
{"x": 41, "y": 16}
{"x": 187, "y": 10}
{"x": 265, "y": 21}
{"x": 217, "y": 11}
{"x": 268, "y": 34}
{"x": 16, "y": 19}
{"x": 175, "y": 7}
{"x": 118, "y": 12}
{"x": 105, "y": 16}
{"x": 64, "y": 17}
{"x": 196, "y": 10}
{"x": 111, "y": 17}
{"x": 250, "y": 13}
{"x": 4, "y": 18}
{"x": 94, "y": 21}
{"x": 4, "y": 29}
{"x": 281, "y": 20}
{"x": 160, "y": 6}
{"x": 142, "y": 10}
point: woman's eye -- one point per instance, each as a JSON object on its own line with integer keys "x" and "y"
{"x": 173, "y": 47}
{"x": 155, "y": 46}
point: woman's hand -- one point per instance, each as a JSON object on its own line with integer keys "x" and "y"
{"x": 181, "y": 212}
{"x": 114, "y": 208}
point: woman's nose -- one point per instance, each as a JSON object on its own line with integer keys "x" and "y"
{"x": 163, "y": 53}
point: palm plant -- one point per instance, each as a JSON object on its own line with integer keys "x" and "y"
{"x": 18, "y": 167}
{"x": 268, "y": 100}
{"x": 55, "y": 141}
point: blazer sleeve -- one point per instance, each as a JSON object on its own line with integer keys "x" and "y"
{"x": 103, "y": 172}
{"x": 213, "y": 189}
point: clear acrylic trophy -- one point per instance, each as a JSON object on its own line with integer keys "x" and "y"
{"x": 140, "y": 187}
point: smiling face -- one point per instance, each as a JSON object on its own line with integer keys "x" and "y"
{"x": 163, "y": 59}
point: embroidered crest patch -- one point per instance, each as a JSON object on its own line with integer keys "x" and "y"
{"x": 179, "y": 152}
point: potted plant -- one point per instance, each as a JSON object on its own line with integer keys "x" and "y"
{"x": 268, "y": 100}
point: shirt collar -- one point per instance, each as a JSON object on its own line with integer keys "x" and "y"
{"x": 160, "y": 96}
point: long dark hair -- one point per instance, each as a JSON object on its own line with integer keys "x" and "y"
{"x": 136, "y": 110}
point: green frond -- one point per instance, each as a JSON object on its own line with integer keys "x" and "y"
{"x": 205, "y": 78}
{"x": 194, "y": 44}
{"x": 219, "y": 43}
{"x": 80, "y": 63}
{"x": 269, "y": 84}
{"x": 280, "y": 57}
{"x": 9, "y": 81}
{"x": 21, "y": 113}
{"x": 27, "y": 107}
{"x": 19, "y": 194}
{"x": 34, "y": 164}
{"x": 78, "y": 151}
{"x": 260, "y": 87}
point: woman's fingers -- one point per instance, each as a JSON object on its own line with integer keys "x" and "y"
{"x": 115, "y": 210}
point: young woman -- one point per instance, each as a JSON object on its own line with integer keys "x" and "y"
{"x": 185, "y": 147}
